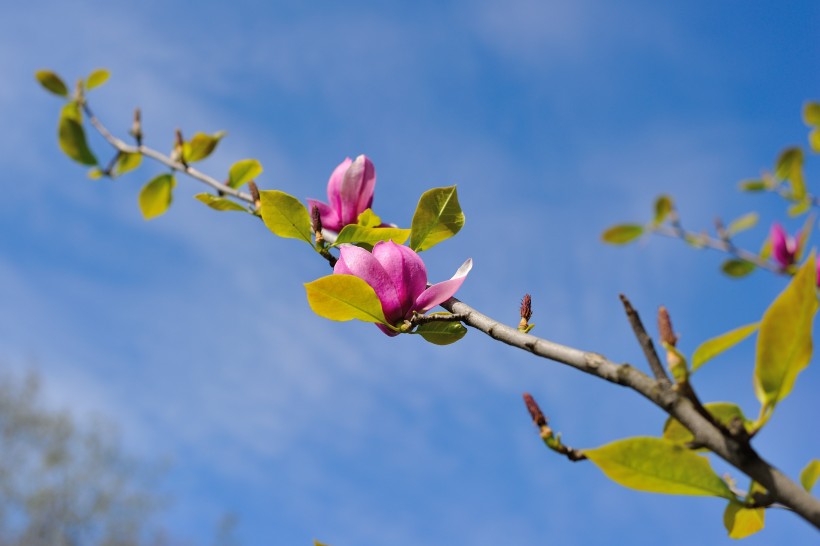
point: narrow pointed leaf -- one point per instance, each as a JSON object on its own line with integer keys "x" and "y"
{"x": 438, "y": 217}
{"x": 622, "y": 234}
{"x": 723, "y": 412}
{"x": 156, "y": 196}
{"x": 73, "y": 142}
{"x": 97, "y": 78}
{"x": 201, "y": 146}
{"x": 753, "y": 185}
{"x": 344, "y": 297}
{"x": 658, "y": 466}
{"x": 747, "y": 221}
{"x": 741, "y": 522}
{"x": 219, "y": 203}
{"x": 52, "y": 82}
{"x": 789, "y": 167}
{"x": 244, "y": 171}
{"x": 441, "y": 333}
{"x": 707, "y": 350}
{"x": 784, "y": 344}
{"x": 809, "y": 475}
{"x": 127, "y": 162}
{"x": 663, "y": 206}
{"x": 285, "y": 215}
{"x": 737, "y": 268}
{"x": 805, "y": 237}
{"x": 353, "y": 233}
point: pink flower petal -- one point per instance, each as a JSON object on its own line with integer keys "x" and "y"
{"x": 368, "y": 186}
{"x": 330, "y": 220}
{"x": 442, "y": 291}
{"x": 782, "y": 250}
{"x": 361, "y": 263}
{"x": 334, "y": 186}
{"x": 405, "y": 269}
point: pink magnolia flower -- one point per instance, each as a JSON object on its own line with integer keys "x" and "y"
{"x": 784, "y": 247}
{"x": 349, "y": 191}
{"x": 399, "y": 278}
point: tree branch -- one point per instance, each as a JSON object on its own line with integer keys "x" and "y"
{"x": 646, "y": 343}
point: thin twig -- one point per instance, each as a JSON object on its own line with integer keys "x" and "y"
{"x": 677, "y": 232}
{"x": 646, "y": 344}
{"x": 418, "y": 318}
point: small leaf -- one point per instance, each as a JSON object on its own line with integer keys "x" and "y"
{"x": 441, "y": 333}
{"x": 353, "y": 233}
{"x": 97, "y": 78}
{"x": 737, "y": 268}
{"x": 741, "y": 521}
{"x": 708, "y": 350}
{"x": 658, "y": 466}
{"x": 127, "y": 162}
{"x": 156, "y": 196}
{"x": 52, "y": 82}
{"x": 344, "y": 297}
{"x": 369, "y": 219}
{"x": 663, "y": 206}
{"x": 95, "y": 173}
{"x": 814, "y": 140}
{"x": 72, "y": 110}
{"x": 438, "y": 217}
{"x": 784, "y": 344}
{"x": 809, "y": 475}
{"x": 285, "y": 216}
{"x": 805, "y": 236}
{"x": 243, "y": 171}
{"x": 201, "y": 146}
{"x": 801, "y": 207}
{"x": 753, "y": 185}
{"x": 747, "y": 221}
{"x": 622, "y": 234}
{"x": 766, "y": 249}
{"x": 811, "y": 113}
{"x": 723, "y": 412}
{"x": 789, "y": 167}
{"x": 73, "y": 142}
{"x": 219, "y": 203}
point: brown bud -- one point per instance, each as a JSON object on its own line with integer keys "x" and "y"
{"x": 526, "y": 307}
{"x": 665, "y": 326}
{"x": 257, "y": 200}
{"x": 136, "y": 126}
{"x": 535, "y": 412}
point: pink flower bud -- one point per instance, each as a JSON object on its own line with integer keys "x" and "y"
{"x": 349, "y": 192}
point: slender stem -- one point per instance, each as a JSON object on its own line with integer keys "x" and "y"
{"x": 677, "y": 232}
{"x": 646, "y": 343}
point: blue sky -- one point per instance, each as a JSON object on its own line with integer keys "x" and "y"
{"x": 555, "y": 119}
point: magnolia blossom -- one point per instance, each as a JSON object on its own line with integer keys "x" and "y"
{"x": 399, "y": 278}
{"x": 349, "y": 191}
{"x": 784, "y": 247}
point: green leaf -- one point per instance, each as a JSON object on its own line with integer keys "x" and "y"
{"x": 52, "y": 82}
{"x": 811, "y": 113}
{"x": 658, "y": 466}
{"x": 369, "y": 219}
{"x": 663, "y": 206}
{"x": 814, "y": 140}
{"x": 353, "y": 233}
{"x": 708, "y": 350}
{"x": 801, "y": 207}
{"x": 127, "y": 162}
{"x": 753, "y": 185}
{"x": 809, "y": 475}
{"x": 441, "y": 333}
{"x": 156, "y": 196}
{"x": 737, "y": 268}
{"x": 97, "y": 78}
{"x": 243, "y": 171}
{"x": 95, "y": 173}
{"x": 285, "y": 216}
{"x": 438, "y": 217}
{"x": 741, "y": 521}
{"x": 789, "y": 167}
{"x": 805, "y": 236}
{"x": 747, "y": 221}
{"x": 219, "y": 203}
{"x": 72, "y": 140}
{"x": 784, "y": 344}
{"x": 766, "y": 249}
{"x": 344, "y": 297}
{"x": 723, "y": 412}
{"x": 622, "y": 234}
{"x": 201, "y": 146}
{"x": 72, "y": 110}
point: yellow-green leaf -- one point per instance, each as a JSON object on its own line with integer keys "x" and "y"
{"x": 438, "y": 217}
{"x": 658, "y": 466}
{"x": 622, "y": 234}
{"x": 72, "y": 110}
{"x": 127, "y": 162}
{"x": 789, "y": 167}
{"x": 784, "y": 344}
{"x": 97, "y": 78}
{"x": 743, "y": 223}
{"x": 201, "y": 146}
{"x": 344, "y": 297}
{"x": 753, "y": 185}
{"x": 663, "y": 206}
{"x": 243, "y": 171}
{"x": 95, "y": 173}
{"x": 737, "y": 268}
{"x": 353, "y": 233}
{"x": 369, "y": 219}
{"x": 707, "y": 350}
{"x": 441, "y": 333}
{"x": 801, "y": 207}
{"x": 285, "y": 216}
{"x": 73, "y": 142}
{"x": 219, "y": 203}
{"x": 723, "y": 412}
{"x": 156, "y": 196}
{"x": 809, "y": 475}
{"x": 811, "y": 113}
{"x": 52, "y": 82}
{"x": 814, "y": 140}
{"x": 741, "y": 521}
